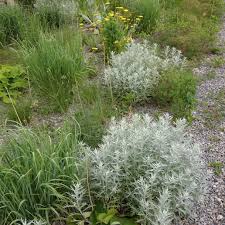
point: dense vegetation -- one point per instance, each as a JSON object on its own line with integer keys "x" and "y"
{"x": 89, "y": 61}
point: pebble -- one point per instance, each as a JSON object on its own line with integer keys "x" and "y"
{"x": 212, "y": 210}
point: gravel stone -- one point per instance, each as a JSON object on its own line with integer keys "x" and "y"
{"x": 212, "y": 139}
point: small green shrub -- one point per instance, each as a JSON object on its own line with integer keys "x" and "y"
{"x": 12, "y": 82}
{"x": 117, "y": 29}
{"x": 113, "y": 32}
{"x": 54, "y": 65}
{"x": 11, "y": 24}
{"x": 177, "y": 89}
{"x": 36, "y": 172}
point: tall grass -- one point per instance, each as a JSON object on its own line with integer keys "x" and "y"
{"x": 11, "y": 24}
{"x": 189, "y": 25}
{"x": 15, "y": 27}
{"x": 36, "y": 171}
{"x": 54, "y": 65}
{"x": 150, "y": 10}
{"x": 34, "y": 28}
{"x": 95, "y": 107}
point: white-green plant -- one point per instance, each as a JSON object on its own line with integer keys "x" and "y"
{"x": 137, "y": 70}
{"x": 153, "y": 168}
{"x": 66, "y": 8}
{"x": 33, "y": 222}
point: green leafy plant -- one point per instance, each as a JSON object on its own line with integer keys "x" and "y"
{"x": 116, "y": 27}
{"x": 177, "y": 88}
{"x": 113, "y": 33}
{"x": 11, "y": 24}
{"x": 106, "y": 217}
{"x": 55, "y": 65}
{"x": 36, "y": 172}
{"x": 96, "y": 214}
{"x": 12, "y": 82}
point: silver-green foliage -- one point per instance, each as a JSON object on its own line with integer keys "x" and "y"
{"x": 151, "y": 167}
{"x": 57, "y": 12}
{"x": 32, "y": 222}
{"x": 137, "y": 70}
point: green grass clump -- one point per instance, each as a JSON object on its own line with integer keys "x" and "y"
{"x": 21, "y": 111}
{"x": 54, "y": 65}
{"x": 217, "y": 62}
{"x": 217, "y": 166}
{"x": 96, "y": 107}
{"x": 11, "y": 24}
{"x": 190, "y": 25}
{"x": 36, "y": 172}
{"x": 150, "y": 10}
{"x": 177, "y": 89}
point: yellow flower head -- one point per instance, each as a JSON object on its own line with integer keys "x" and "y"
{"x": 111, "y": 14}
{"x": 94, "y": 49}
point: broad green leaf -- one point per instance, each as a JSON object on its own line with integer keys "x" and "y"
{"x": 87, "y": 214}
{"x": 123, "y": 220}
{"x": 101, "y": 216}
{"x": 19, "y": 84}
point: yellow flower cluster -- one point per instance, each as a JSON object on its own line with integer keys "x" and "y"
{"x": 121, "y": 15}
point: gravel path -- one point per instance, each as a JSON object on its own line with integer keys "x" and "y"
{"x": 209, "y": 129}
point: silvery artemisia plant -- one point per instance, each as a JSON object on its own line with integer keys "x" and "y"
{"x": 33, "y": 222}
{"x": 138, "y": 69}
{"x": 151, "y": 168}
{"x": 66, "y": 7}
